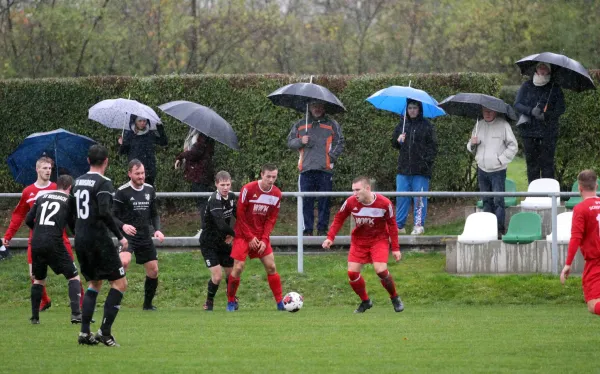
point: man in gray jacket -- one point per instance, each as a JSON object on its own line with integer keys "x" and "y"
{"x": 494, "y": 145}
{"x": 320, "y": 142}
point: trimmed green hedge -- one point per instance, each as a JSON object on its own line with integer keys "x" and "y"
{"x": 28, "y": 106}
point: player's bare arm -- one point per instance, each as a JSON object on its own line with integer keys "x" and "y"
{"x": 129, "y": 230}
{"x": 159, "y": 235}
{"x": 397, "y": 255}
{"x": 327, "y": 244}
{"x": 565, "y": 273}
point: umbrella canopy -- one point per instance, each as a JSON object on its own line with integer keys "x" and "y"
{"x": 203, "y": 119}
{"x": 298, "y": 95}
{"x": 567, "y": 72}
{"x": 68, "y": 150}
{"x": 471, "y": 104}
{"x": 116, "y": 113}
{"x": 394, "y": 99}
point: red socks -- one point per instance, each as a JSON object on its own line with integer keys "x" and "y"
{"x": 388, "y": 282}
{"x": 357, "y": 282}
{"x": 597, "y": 308}
{"x": 232, "y": 287}
{"x": 275, "y": 284}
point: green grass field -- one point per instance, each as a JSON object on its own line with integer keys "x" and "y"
{"x": 451, "y": 324}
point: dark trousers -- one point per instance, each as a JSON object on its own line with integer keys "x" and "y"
{"x": 539, "y": 156}
{"x": 493, "y": 182}
{"x": 315, "y": 180}
{"x": 201, "y": 201}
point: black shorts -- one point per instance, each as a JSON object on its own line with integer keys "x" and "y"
{"x": 214, "y": 256}
{"x": 144, "y": 252}
{"x": 99, "y": 258}
{"x": 55, "y": 256}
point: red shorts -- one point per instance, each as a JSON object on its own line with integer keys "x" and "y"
{"x": 591, "y": 280}
{"x": 67, "y": 246}
{"x": 241, "y": 250}
{"x": 378, "y": 252}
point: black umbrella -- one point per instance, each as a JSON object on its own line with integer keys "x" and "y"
{"x": 471, "y": 104}
{"x": 203, "y": 119}
{"x": 567, "y": 72}
{"x": 298, "y": 95}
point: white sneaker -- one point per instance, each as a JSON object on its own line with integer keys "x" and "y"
{"x": 402, "y": 231}
{"x": 418, "y": 230}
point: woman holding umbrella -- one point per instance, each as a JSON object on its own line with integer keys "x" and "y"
{"x": 542, "y": 102}
{"x": 139, "y": 144}
{"x": 414, "y": 138}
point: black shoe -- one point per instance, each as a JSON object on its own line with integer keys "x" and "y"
{"x": 107, "y": 340}
{"x": 87, "y": 339}
{"x": 150, "y": 308}
{"x": 397, "y": 303}
{"x": 307, "y": 233}
{"x": 34, "y": 321}
{"x": 75, "y": 318}
{"x": 363, "y": 306}
{"x": 46, "y": 306}
{"x": 322, "y": 233}
{"x": 208, "y": 305}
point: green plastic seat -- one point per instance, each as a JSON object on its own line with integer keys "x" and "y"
{"x": 574, "y": 200}
{"x": 509, "y": 186}
{"x": 524, "y": 228}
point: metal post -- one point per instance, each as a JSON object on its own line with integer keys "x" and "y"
{"x": 300, "y": 226}
{"x": 554, "y": 236}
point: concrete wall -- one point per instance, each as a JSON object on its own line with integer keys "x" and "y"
{"x": 497, "y": 257}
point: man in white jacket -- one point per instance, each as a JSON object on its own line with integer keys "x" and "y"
{"x": 494, "y": 145}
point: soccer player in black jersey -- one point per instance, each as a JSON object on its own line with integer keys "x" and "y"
{"x": 48, "y": 218}
{"x": 98, "y": 258}
{"x": 217, "y": 234}
{"x": 136, "y": 215}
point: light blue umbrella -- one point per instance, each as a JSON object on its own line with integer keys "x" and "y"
{"x": 394, "y": 99}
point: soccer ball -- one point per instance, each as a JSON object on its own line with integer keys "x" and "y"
{"x": 293, "y": 301}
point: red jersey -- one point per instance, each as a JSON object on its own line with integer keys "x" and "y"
{"x": 30, "y": 193}
{"x": 257, "y": 212}
{"x": 585, "y": 233}
{"x": 374, "y": 222}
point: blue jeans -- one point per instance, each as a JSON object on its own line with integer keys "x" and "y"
{"x": 493, "y": 182}
{"x": 411, "y": 183}
{"x": 315, "y": 180}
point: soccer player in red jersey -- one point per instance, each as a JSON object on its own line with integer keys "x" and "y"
{"x": 257, "y": 210}
{"x": 585, "y": 235}
{"x": 370, "y": 241}
{"x": 43, "y": 167}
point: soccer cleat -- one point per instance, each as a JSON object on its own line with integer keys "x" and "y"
{"x": 75, "y": 318}
{"x": 208, "y": 305}
{"x": 107, "y": 340}
{"x": 86, "y": 339}
{"x": 44, "y": 307}
{"x": 280, "y": 306}
{"x": 34, "y": 321}
{"x": 363, "y": 306}
{"x": 397, "y": 303}
{"x": 150, "y": 308}
{"x": 232, "y": 306}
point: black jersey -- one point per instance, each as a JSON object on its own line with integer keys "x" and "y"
{"x": 216, "y": 221}
{"x": 137, "y": 207}
{"x": 49, "y": 216}
{"x": 94, "y": 199}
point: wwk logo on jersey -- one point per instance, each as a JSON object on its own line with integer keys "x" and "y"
{"x": 147, "y": 197}
{"x": 360, "y": 221}
{"x": 260, "y": 209}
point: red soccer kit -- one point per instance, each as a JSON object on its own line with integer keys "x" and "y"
{"x": 375, "y": 226}
{"x": 585, "y": 235}
{"x": 30, "y": 193}
{"x": 257, "y": 212}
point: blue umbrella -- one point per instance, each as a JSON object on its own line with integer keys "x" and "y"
{"x": 394, "y": 99}
{"x": 68, "y": 150}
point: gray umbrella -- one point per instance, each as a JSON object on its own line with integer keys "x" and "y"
{"x": 471, "y": 104}
{"x": 203, "y": 119}
{"x": 566, "y": 72}
{"x": 298, "y": 95}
